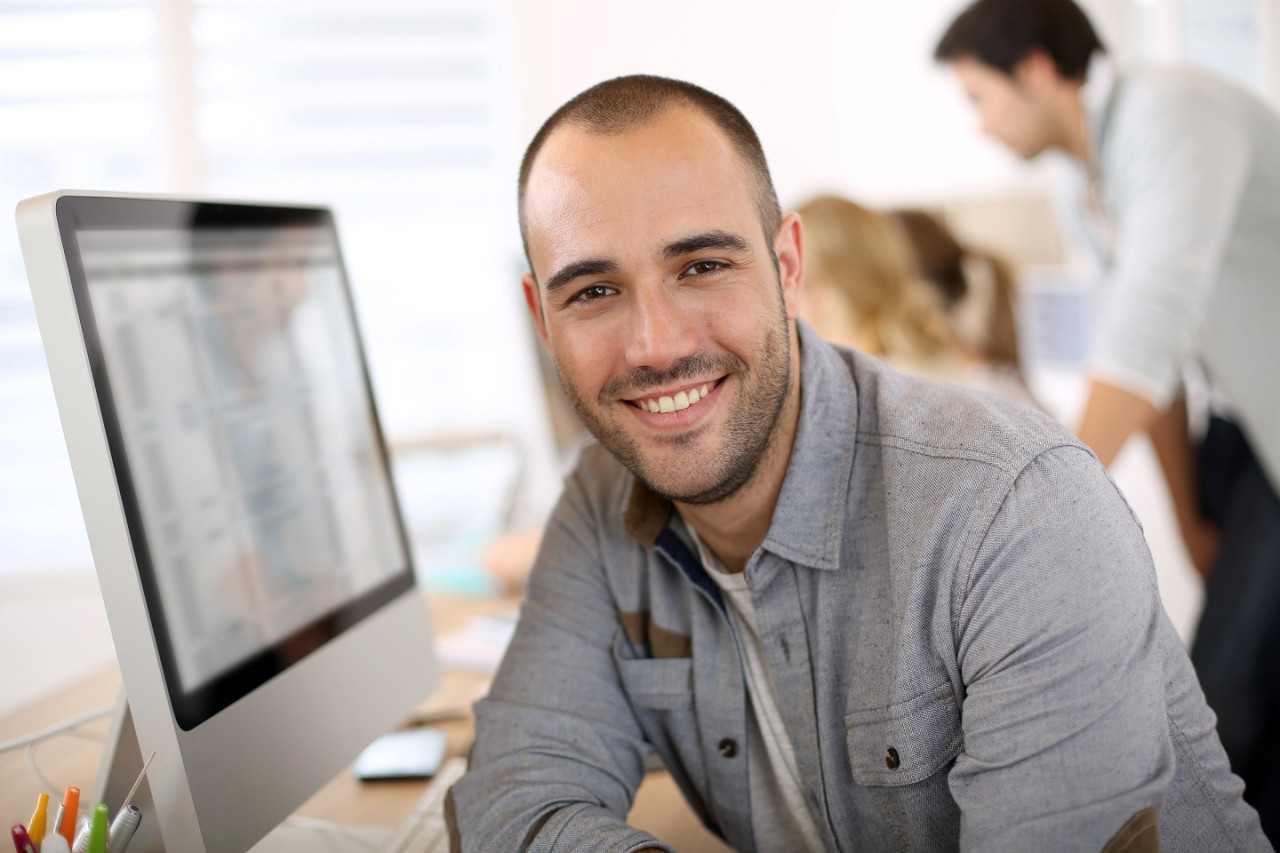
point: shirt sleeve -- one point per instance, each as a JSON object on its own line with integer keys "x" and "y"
{"x": 1175, "y": 168}
{"x": 558, "y": 753}
{"x": 1060, "y": 640}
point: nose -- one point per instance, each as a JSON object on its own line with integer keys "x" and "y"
{"x": 659, "y": 332}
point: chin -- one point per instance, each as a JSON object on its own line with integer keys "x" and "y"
{"x": 1030, "y": 152}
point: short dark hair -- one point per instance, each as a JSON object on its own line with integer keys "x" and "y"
{"x": 623, "y": 103}
{"x": 1000, "y": 34}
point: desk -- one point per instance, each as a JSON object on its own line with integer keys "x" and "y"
{"x": 659, "y": 808}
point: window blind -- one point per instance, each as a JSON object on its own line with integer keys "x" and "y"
{"x": 79, "y": 107}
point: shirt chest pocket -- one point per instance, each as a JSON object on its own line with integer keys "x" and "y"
{"x": 656, "y": 683}
{"x": 905, "y": 743}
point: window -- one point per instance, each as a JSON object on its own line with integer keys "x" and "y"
{"x": 397, "y": 114}
{"x": 1225, "y": 36}
{"x": 80, "y": 106}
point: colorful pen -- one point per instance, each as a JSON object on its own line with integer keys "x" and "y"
{"x": 55, "y": 843}
{"x": 39, "y": 818}
{"x": 123, "y": 828}
{"x": 22, "y": 841}
{"x": 81, "y": 844}
{"x": 98, "y": 829}
{"x": 65, "y": 824}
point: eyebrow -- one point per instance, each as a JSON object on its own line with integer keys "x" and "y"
{"x": 706, "y": 240}
{"x": 597, "y": 266}
{"x": 671, "y": 251}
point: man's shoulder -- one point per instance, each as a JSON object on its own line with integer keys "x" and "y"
{"x": 1151, "y": 98}
{"x": 931, "y": 418}
{"x": 599, "y": 476}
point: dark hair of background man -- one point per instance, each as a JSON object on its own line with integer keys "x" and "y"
{"x": 1000, "y": 34}
{"x": 623, "y": 103}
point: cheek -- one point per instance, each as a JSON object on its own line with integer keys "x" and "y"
{"x": 741, "y": 325}
{"x": 994, "y": 117}
{"x": 582, "y": 356}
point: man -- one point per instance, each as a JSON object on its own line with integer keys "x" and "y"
{"x": 1180, "y": 195}
{"x": 849, "y": 610}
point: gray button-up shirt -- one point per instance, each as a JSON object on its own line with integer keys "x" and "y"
{"x": 959, "y": 614}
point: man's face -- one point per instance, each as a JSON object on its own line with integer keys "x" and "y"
{"x": 660, "y": 300}
{"x": 1009, "y": 106}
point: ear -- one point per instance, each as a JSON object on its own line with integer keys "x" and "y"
{"x": 534, "y": 301}
{"x": 788, "y": 245}
{"x": 1036, "y": 71}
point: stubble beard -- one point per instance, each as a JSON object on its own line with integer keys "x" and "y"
{"x": 751, "y": 424}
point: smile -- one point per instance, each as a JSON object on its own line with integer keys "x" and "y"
{"x": 677, "y": 402}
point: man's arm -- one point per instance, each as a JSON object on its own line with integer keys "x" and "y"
{"x": 1172, "y": 444}
{"x": 558, "y": 752}
{"x": 1175, "y": 166}
{"x": 1111, "y": 415}
{"x": 1062, "y": 644}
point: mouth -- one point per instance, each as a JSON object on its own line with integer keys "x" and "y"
{"x": 677, "y": 401}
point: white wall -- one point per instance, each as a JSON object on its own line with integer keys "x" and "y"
{"x": 844, "y": 95}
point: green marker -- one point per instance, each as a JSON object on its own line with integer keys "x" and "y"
{"x": 98, "y": 829}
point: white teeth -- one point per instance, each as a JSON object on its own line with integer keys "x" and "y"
{"x": 681, "y": 401}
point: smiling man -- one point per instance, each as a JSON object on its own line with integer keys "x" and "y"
{"x": 849, "y": 610}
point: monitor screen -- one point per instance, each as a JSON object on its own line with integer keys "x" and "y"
{"x": 246, "y": 445}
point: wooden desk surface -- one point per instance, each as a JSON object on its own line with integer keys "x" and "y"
{"x": 73, "y": 760}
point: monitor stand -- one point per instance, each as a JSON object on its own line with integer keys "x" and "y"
{"x": 122, "y": 762}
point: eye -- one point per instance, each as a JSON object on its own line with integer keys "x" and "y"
{"x": 592, "y": 294}
{"x": 700, "y": 268}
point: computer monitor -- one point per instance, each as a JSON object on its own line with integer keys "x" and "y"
{"x": 237, "y": 495}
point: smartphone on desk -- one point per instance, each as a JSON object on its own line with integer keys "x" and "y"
{"x": 410, "y": 754}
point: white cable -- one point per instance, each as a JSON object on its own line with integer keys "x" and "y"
{"x": 53, "y": 789}
{"x": 56, "y": 728}
{"x": 35, "y": 770}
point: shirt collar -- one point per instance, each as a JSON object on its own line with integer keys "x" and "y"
{"x": 809, "y": 520}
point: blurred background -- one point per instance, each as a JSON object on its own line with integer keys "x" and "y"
{"x": 408, "y": 118}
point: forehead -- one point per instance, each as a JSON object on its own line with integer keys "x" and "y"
{"x": 610, "y": 195}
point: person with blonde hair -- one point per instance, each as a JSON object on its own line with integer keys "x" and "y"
{"x": 859, "y": 291}
{"x": 864, "y": 288}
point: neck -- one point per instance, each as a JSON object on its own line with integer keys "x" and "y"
{"x": 1074, "y": 130}
{"x": 734, "y": 527}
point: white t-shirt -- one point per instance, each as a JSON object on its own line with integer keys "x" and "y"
{"x": 780, "y": 818}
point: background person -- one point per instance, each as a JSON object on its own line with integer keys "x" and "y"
{"x": 978, "y": 291}
{"x": 1179, "y": 193}
{"x": 867, "y": 288}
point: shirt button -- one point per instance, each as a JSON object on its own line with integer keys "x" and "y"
{"x": 891, "y": 758}
{"x": 728, "y": 747}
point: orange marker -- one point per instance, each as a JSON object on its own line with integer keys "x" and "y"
{"x": 67, "y": 812}
{"x": 39, "y": 819}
